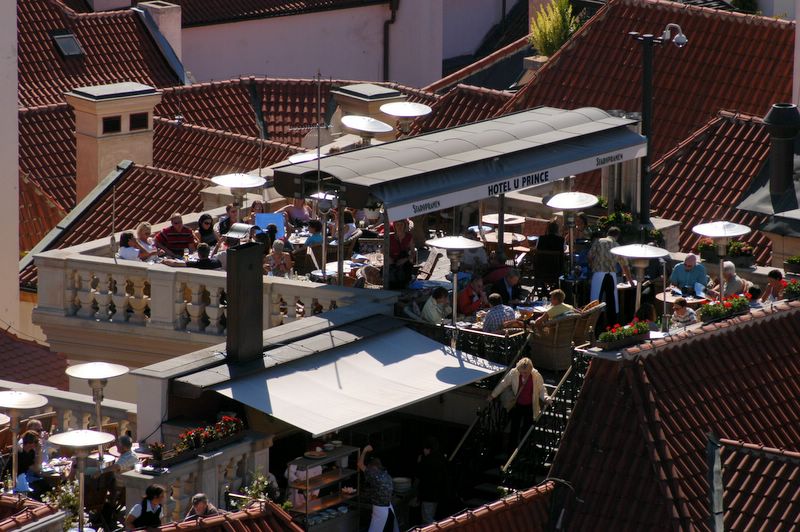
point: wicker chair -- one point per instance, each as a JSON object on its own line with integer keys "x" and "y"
{"x": 551, "y": 347}
{"x": 584, "y": 330}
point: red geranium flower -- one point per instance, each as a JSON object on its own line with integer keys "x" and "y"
{"x": 728, "y": 304}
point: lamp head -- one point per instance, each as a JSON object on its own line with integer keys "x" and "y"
{"x": 680, "y": 39}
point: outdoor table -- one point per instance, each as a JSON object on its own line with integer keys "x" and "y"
{"x": 298, "y": 240}
{"x": 508, "y": 219}
{"x": 332, "y": 269}
{"x": 476, "y": 229}
{"x": 692, "y": 302}
{"x": 509, "y": 239}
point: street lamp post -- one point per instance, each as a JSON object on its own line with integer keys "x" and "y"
{"x": 648, "y": 41}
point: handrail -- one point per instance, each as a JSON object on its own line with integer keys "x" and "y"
{"x": 483, "y": 410}
{"x": 511, "y": 458}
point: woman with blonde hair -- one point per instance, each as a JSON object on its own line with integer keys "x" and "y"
{"x": 522, "y": 390}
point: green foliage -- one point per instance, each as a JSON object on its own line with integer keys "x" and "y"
{"x": 705, "y": 244}
{"x": 602, "y": 202}
{"x": 727, "y": 307}
{"x": 791, "y": 289}
{"x": 65, "y": 497}
{"x": 618, "y": 332}
{"x": 794, "y": 259}
{"x": 553, "y": 26}
{"x": 260, "y": 488}
{"x": 737, "y": 248}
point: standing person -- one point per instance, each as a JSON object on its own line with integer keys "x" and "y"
{"x": 551, "y": 240}
{"x": 432, "y": 475}
{"x": 380, "y": 488}
{"x": 402, "y": 256}
{"x": 528, "y": 392}
{"x": 604, "y": 265}
{"x": 147, "y": 514}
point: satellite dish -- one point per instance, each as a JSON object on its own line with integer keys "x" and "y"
{"x": 405, "y": 109}
{"x": 238, "y": 180}
{"x": 303, "y": 157}
{"x": 366, "y": 124}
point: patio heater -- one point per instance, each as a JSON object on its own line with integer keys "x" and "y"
{"x": 455, "y": 247}
{"x": 97, "y": 374}
{"x": 81, "y": 441}
{"x": 639, "y": 256}
{"x": 238, "y": 183}
{"x": 571, "y": 203}
{"x": 721, "y": 233}
{"x": 366, "y": 126}
{"x": 405, "y": 112}
{"x": 14, "y": 402}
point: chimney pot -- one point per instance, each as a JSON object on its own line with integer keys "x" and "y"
{"x": 783, "y": 124}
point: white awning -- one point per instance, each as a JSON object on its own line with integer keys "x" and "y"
{"x": 356, "y": 382}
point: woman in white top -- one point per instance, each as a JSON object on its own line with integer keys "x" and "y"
{"x": 144, "y": 242}
{"x": 127, "y": 247}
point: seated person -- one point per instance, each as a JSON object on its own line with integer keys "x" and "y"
{"x": 687, "y": 273}
{"x": 682, "y": 315}
{"x": 201, "y": 507}
{"x": 557, "y": 308}
{"x": 278, "y": 263}
{"x": 297, "y": 214}
{"x": 436, "y": 307}
{"x": 205, "y": 230}
{"x": 315, "y": 228}
{"x": 498, "y": 315}
{"x": 472, "y": 298}
{"x": 203, "y": 261}
{"x": 225, "y": 222}
{"x": 551, "y": 240}
{"x": 127, "y": 459}
{"x": 256, "y": 208}
{"x": 774, "y": 289}
{"x": 29, "y": 461}
{"x": 176, "y": 237}
{"x": 647, "y": 312}
{"x": 509, "y": 289}
{"x": 147, "y": 514}
{"x": 350, "y": 227}
{"x": 129, "y": 249}
{"x": 755, "y": 297}
{"x": 733, "y": 283}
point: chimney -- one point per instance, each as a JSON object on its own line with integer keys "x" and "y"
{"x": 244, "y": 341}
{"x": 365, "y": 99}
{"x": 167, "y": 18}
{"x": 783, "y": 124}
{"x": 108, "y": 5}
{"x": 112, "y": 123}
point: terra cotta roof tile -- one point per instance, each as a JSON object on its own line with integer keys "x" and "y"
{"x": 28, "y": 362}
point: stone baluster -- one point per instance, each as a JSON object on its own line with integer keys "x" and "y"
{"x": 325, "y": 303}
{"x": 103, "y": 296}
{"x": 138, "y": 301}
{"x": 85, "y": 294}
{"x": 71, "y": 293}
{"x": 215, "y": 311}
{"x": 276, "y": 318}
{"x": 291, "y": 307}
{"x": 119, "y": 289}
{"x": 196, "y": 307}
{"x": 180, "y": 306}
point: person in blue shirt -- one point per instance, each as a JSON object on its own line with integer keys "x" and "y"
{"x": 315, "y": 228}
{"x": 687, "y": 273}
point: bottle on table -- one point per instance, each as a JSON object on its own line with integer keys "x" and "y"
{"x": 186, "y": 254}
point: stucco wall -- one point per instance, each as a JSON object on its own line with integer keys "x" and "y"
{"x": 9, "y": 178}
{"x": 466, "y": 23}
{"x": 345, "y": 44}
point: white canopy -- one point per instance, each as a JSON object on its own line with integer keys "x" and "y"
{"x": 359, "y": 381}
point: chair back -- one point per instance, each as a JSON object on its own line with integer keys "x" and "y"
{"x": 315, "y": 256}
{"x": 370, "y": 245}
{"x": 428, "y": 267}
{"x": 584, "y": 329}
{"x": 551, "y": 348}
{"x": 548, "y": 266}
{"x": 350, "y": 244}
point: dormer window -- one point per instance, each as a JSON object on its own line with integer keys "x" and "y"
{"x": 67, "y": 44}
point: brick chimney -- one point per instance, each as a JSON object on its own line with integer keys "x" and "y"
{"x": 365, "y": 99}
{"x": 167, "y": 18}
{"x": 108, "y": 5}
{"x": 112, "y": 123}
{"x": 783, "y": 124}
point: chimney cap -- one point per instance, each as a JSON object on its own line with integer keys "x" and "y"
{"x": 114, "y": 90}
{"x": 783, "y": 120}
{"x": 368, "y": 91}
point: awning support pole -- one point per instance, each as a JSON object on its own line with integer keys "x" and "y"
{"x": 340, "y": 243}
{"x": 386, "y": 230}
{"x": 501, "y": 228}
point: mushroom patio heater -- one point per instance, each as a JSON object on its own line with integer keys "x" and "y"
{"x": 405, "y": 112}
{"x": 639, "y": 256}
{"x": 366, "y": 126}
{"x": 81, "y": 441}
{"x": 570, "y": 203}
{"x": 721, "y": 233}
{"x": 238, "y": 183}
{"x": 13, "y": 402}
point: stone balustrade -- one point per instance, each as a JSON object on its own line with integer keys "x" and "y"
{"x": 210, "y": 473}
{"x": 75, "y": 410}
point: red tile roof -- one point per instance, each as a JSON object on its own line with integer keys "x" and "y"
{"x": 204, "y": 152}
{"x": 117, "y": 47}
{"x": 28, "y": 362}
{"x": 267, "y": 518}
{"x": 708, "y": 174}
{"x": 462, "y": 105}
{"x": 601, "y": 66}
{"x": 525, "y": 511}
{"x": 38, "y": 213}
{"x": 635, "y": 446}
{"x": 478, "y": 66}
{"x": 47, "y": 150}
{"x": 761, "y": 487}
{"x": 143, "y": 194}
{"x": 16, "y": 512}
{"x": 203, "y": 12}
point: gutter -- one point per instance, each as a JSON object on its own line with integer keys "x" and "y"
{"x": 394, "y": 5}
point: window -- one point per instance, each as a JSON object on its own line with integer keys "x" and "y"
{"x": 67, "y": 44}
{"x": 139, "y": 121}
{"x": 112, "y": 124}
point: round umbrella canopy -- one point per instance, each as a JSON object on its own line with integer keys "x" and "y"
{"x": 721, "y": 230}
{"x": 640, "y": 251}
{"x": 572, "y": 201}
{"x": 454, "y": 243}
{"x": 238, "y": 180}
{"x": 80, "y": 439}
{"x": 96, "y": 370}
{"x": 21, "y": 400}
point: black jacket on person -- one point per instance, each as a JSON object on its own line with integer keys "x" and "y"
{"x": 550, "y": 243}
{"x": 500, "y": 288}
{"x": 432, "y": 474}
{"x": 148, "y": 519}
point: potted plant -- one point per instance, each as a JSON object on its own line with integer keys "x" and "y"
{"x": 728, "y": 307}
{"x": 792, "y": 264}
{"x": 707, "y": 250}
{"x": 741, "y": 254}
{"x": 620, "y": 336}
{"x": 198, "y": 440}
{"x": 791, "y": 290}
{"x": 65, "y": 497}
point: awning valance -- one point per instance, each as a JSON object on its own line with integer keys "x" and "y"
{"x": 359, "y": 381}
{"x": 459, "y": 165}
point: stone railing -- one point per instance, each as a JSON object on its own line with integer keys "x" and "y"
{"x": 75, "y": 410}
{"x": 185, "y": 308}
{"x": 210, "y": 473}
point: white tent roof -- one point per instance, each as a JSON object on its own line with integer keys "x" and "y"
{"x": 359, "y": 381}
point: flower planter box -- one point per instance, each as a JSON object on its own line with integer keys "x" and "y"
{"x": 743, "y": 261}
{"x": 710, "y": 256}
{"x": 171, "y": 458}
{"x": 623, "y": 342}
{"x": 790, "y": 267}
{"x": 725, "y": 317}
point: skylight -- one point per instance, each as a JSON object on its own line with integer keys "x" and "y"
{"x": 68, "y": 45}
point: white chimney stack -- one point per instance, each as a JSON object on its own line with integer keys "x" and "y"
{"x": 167, "y": 17}
{"x": 109, "y": 5}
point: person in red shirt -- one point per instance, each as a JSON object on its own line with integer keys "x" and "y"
{"x": 472, "y": 298}
{"x": 402, "y": 256}
{"x": 525, "y": 400}
{"x": 176, "y": 237}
